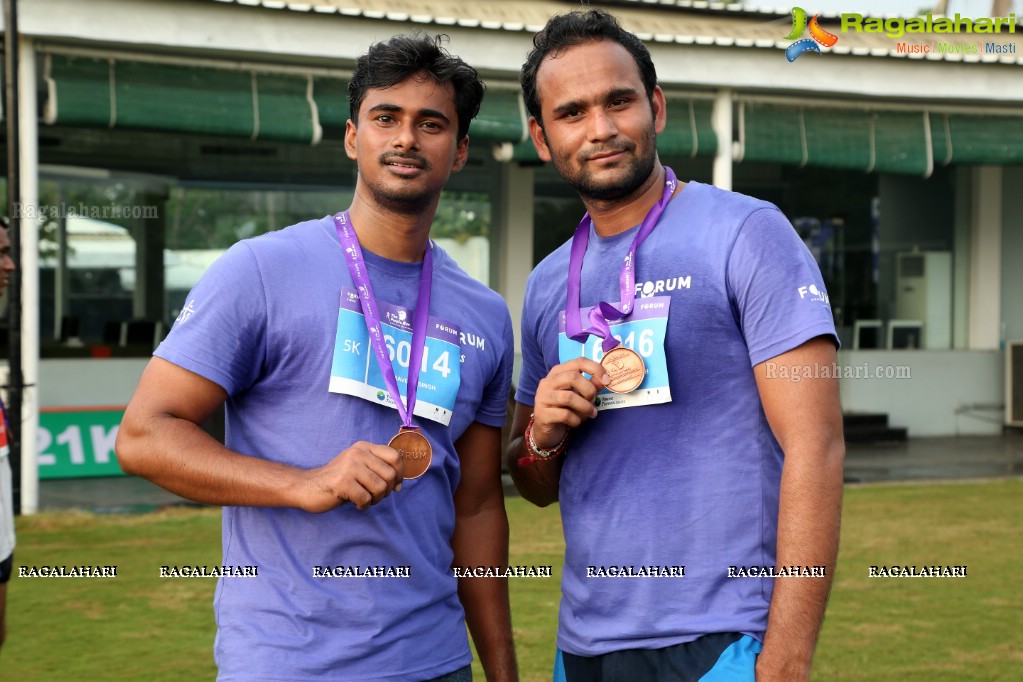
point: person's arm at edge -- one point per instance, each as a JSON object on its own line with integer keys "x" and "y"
{"x": 537, "y": 481}
{"x": 3, "y": 611}
{"x": 160, "y": 439}
{"x": 563, "y": 401}
{"x": 806, "y": 418}
{"x": 481, "y": 539}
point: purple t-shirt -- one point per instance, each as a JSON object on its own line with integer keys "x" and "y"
{"x": 262, "y": 324}
{"x": 692, "y": 482}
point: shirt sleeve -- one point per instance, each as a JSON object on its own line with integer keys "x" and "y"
{"x": 533, "y": 369}
{"x": 221, "y": 332}
{"x": 493, "y": 409}
{"x": 776, "y": 288}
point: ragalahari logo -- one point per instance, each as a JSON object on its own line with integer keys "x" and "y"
{"x": 818, "y": 36}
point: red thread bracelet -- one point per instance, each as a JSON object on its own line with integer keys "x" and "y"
{"x": 537, "y": 454}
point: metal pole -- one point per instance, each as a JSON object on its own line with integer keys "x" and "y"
{"x": 15, "y": 379}
{"x": 28, "y": 150}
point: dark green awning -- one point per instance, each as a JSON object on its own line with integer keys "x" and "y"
{"x": 849, "y": 138}
{"x": 773, "y": 133}
{"x": 162, "y": 97}
{"x": 857, "y": 139}
{"x": 286, "y": 108}
{"x": 962, "y": 138}
{"x": 841, "y": 138}
{"x": 882, "y": 140}
{"x": 78, "y": 91}
{"x": 84, "y": 90}
{"x": 902, "y": 143}
{"x": 502, "y": 118}
{"x": 331, "y": 97}
{"x": 689, "y": 131}
{"x": 88, "y": 91}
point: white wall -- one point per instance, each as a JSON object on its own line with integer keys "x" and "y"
{"x": 986, "y": 228}
{"x": 943, "y": 393}
{"x": 88, "y": 382}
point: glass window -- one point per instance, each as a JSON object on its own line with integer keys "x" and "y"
{"x": 87, "y": 255}
{"x": 203, "y": 222}
{"x": 462, "y": 228}
{"x": 104, "y": 282}
{"x": 884, "y": 244}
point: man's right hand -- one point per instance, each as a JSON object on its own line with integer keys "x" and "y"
{"x": 160, "y": 439}
{"x": 363, "y": 474}
{"x": 564, "y": 400}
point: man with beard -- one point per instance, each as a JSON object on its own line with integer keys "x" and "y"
{"x": 649, "y": 405}
{"x": 351, "y": 496}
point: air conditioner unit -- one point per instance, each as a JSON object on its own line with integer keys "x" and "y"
{"x": 924, "y": 292}
{"x": 1014, "y": 383}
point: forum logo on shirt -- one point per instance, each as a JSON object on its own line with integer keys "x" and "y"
{"x": 814, "y": 293}
{"x": 660, "y": 286}
{"x": 818, "y": 36}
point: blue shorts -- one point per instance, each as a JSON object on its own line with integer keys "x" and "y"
{"x": 723, "y": 657}
{"x": 460, "y": 675}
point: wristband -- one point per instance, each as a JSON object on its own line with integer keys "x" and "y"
{"x": 537, "y": 454}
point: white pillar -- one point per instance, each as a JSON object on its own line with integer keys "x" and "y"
{"x": 62, "y": 277}
{"x": 961, "y": 257}
{"x": 511, "y": 238}
{"x": 985, "y": 303}
{"x": 29, "y": 264}
{"x": 721, "y": 120}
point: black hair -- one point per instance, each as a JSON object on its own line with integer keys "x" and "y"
{"x": 402, "y": 57}
{"x": 577, "y": 28}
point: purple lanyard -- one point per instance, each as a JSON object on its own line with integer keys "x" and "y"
{"x": 602, "y": 312}
{"x": 360, "y": 276}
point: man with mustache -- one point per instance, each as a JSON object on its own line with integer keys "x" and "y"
{"x": 680, "y": 458}
{"x": 363, "y": 449}
{"x": 6, "y": 487}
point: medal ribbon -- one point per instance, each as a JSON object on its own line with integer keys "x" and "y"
{"x": 360, "y": 276}
{"x": 601, "y": 313}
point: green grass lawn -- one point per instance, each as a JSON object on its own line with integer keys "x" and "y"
{"x": 138, "y": 626}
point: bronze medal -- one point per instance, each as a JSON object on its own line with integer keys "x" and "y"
{"x": 625, "y": 367}
{"x": 415, "y": 451}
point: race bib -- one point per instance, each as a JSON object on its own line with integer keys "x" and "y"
{"x": 643, "y": 331}
{"x": 354, "y": 370}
